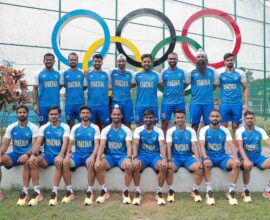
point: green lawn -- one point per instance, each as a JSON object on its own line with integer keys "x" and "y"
{"x": 183, "y": 208}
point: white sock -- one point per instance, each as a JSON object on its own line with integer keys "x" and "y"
{"x": 55, "y": 188}
{"x": 90, "y": 189}
{"x": 170, "y": 187}
{"x": 25, "y": 189}
{"x": 267, "y": 188}
{"x": 69, "y": 188}
{"x": 104, "y": 188}
{"x": 245, "y": 188}
{"x": 37, "y": 189}
{"x": 138, "y": 189}
{"x": 125, "y": 188}
{"x": 159, "y": 189}
{"x": 232, "y": 187}
{"x": 208, "y": 186}
{"x": 195, "y": 187}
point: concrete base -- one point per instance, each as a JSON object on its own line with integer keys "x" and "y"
{"x": 183, "y": 180}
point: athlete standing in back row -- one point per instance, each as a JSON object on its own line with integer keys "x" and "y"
{"x": 147, "y": 82}
{"x": 203, "y": 80}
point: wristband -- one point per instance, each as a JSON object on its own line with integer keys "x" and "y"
{"x": 129, "y": 158}
{"x": 135, "y": 157}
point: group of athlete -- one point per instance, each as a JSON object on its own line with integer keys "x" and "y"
{"x": 99, "y": 148}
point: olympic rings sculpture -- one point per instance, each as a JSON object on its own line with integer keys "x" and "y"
{"x": 171, "y": 41}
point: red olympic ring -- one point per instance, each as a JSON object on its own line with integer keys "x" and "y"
{"x": 216, "y": 13}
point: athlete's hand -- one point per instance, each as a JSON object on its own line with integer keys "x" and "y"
{"x": 58, "y": 161}
{"x": 237, "y": 162}
{"x": 66, "y": 161}
{"x": 247, "y": 164}
{"x": 128, "y": 165}
{"x": 163, "y": 165}
{"x": 32, "y": 162}
{"x": 207, "y": 163}
{"x": 36, "y": 109}
{"x": 199, "y": 164}
{"x": 98, "y": 166}
{"x": 169, "y": 165}
{"x": 90, "y": 162}
{"x": 136, "y": 164}
{"x": 23, "y": 158}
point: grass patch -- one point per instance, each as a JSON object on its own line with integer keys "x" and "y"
{"x": 183, "y": 208}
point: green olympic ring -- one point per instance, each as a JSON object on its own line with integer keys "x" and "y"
{"x": 181, "y": 39}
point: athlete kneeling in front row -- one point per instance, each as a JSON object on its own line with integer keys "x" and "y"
{"x": 85, "y": 136}
{"x": 212, "y": 141}
{"x": 55, "y": 136}
{"x": 115, "y": 142}
{"x": 181, "y": 140}
{"x": 249, "y": 139}
{"x": 147, "y": 147}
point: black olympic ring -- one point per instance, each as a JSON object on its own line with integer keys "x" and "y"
{"x": 156, "y": 14}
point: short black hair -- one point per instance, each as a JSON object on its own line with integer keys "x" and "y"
{"x": 227, "y": 55}
{"x": 55, "y": 108}
{"x": 98, "y": 56}
{"x": 214, "y": 110}
{"x": 180, "y": 111}
{"x": 48, "y": 55}
{"x": 146, "y": 55}
{"x": 73, "y": 54}
{"x": 22, "y": 106}
{"x": 148, "y": 112}
{"x": 249, "y": 113}
{"x": 83, "y": 107}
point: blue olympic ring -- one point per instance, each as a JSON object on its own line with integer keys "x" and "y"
{"x": 70, "y": 16}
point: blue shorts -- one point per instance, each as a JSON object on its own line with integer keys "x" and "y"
{"x": 220, "y": 161}
{"x": 43, "y": 117}
{"x": 77, "y": 160}
{"x": 199, "y": 110}
{"x": 167, "y": 110}
{"x": 257, "y": 161}
{"x": 149, "y": 160}
{"x": 72, "y": 112}
{"x": 126, "y": 109}
{"x": 14, "y": 156}
{"x": 115, "y": 160}
{"x": 185, "y": 161}
{"x": 140, "y": 110}
{"x": 49, "y": 158}
{"x": 101, "y": 112}
{"x": 231, "y": 113}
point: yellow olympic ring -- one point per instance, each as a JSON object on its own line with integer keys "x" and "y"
{"x": 114, "y": 39}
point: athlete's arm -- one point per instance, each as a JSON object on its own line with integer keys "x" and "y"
{"x": 23, "y": 158}
{"x": 37, "y": 145}
{"x": 99, "y": 155}
{"x": 246, "y": 162}
{"x": 169, "y": 154}
{"x": 135, "y": 147}
{"x": 59, "y": 159}
{"x": 91, "y": 160}
{"x": 4, "y": 147}
{"x": 196, "y": 151}
{"x": 246, "y": 95}
{"x": 203, "y": 151}
{"x": 35, "y": 99}
{"x": 267, "y": 141}
{"x": 233, "y": 149}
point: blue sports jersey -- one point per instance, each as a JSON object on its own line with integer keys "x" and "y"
{"x": 149, "y": 141}
{"x": 173, "y": 81}
{"x": 121, "y": 84}
{"x": 202, "y": 86}
{"x": 215, "y": 140}
{"x": 251, "y": 140}
{"x": 21, "y": 137}
{"x": 181, "y": 140}
{"x": 84, "y": 138}
{"x": 231, "y": 87}
{"x": 147, "y": 83}
{"x": 116, "y": 139}
{"x": 53, "y": 137}
{"x": 73, "y": 80}
{"x": 48, "y": 87}
{"x": 97, "y": 88}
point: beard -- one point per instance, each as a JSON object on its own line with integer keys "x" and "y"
{"x": 201, "y": 66}
{"x": 172, "y": 64}
{"x": 116, "y": 120}
{"x": 73, "y": 65}
{"x": 215, "y": 122}
{"x": 22, "y": 118}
